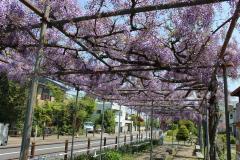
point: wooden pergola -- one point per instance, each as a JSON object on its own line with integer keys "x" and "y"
{"x": 47, "y": 20}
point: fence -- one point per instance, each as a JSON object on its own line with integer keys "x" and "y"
{"x": 62, "y": 149}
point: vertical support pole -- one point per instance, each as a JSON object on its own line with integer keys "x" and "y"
{"x": 43, "y": 130}
{"x": 237, "y": 127}
{"x": 200, "y": 134}
{"x": 207, "y": 132}
{"x": 89, "y": 145}
{"x": 159, "y": 122}
{"x": 151, "y": 138}
{"x": 139, "y": 132}
{"x": 32, "y": 150}
{"x": 58, "y": 130}
{"x": 146, "y": 126}
{"x": 36, "y": 132}
{"x": 131, "y": 128}
{"x": 102, "y": 129}
{"x": 104, "y": 141}
{"x": 119, "y": 126}
{"x": 226, "y": 113}
{"x": 204, "y": 135}
{"x": 172, "y": 135}
{"x": 125, "y": 139}
{"x": 33, "y": 92}
{"x": 74, "y": 123}
{"x": 116, "y": 143}
{"x": 66, "y": 150}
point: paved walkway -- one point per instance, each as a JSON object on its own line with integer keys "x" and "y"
{"x": 182, "y": 152}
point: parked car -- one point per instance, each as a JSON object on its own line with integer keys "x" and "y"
{"x": 3, "y": 134}
{"x": 89, "y": 126}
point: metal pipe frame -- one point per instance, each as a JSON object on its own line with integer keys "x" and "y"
{"x": 102, "y": 129}
{"x": 228, "y": 143}
{"x": 74, "y": 123}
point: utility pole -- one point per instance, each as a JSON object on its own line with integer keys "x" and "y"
{"x": 33, "y": 91}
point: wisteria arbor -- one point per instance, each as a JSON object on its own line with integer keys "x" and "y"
{"x": 127, "y": 51}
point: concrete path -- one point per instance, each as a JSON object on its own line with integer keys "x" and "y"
{"x": 182, "y": 152}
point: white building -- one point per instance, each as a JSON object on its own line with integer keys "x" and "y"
{"x": 125, "y": 119}
{"x": 232, "y": 117}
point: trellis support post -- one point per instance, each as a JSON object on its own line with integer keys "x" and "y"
{"x": 151, "y": 138}
{"x": 226, "y": 112}
{"x": 146, "y": 126}
{"x": 119, "y": 126}
{"x": 74, "y": 123}
{"x": 102, "y": 129}
{"x": 33, "y": 92}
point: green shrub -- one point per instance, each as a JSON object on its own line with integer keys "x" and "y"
{"x": 174, "y": 126}
{"x": 97, "y": 127}
{"x": 221, "y": 146}
{"x": 155, "y": 142}
{"x": 169, "y": 132}
{"x": 233, "y": 140}
{"x": 183, "y": 133}
{"x": 139, "y": 147}
{"x": 190, "y": 126}
{"x": 84, "y": 157}
{"x": 222, "y": 138}
{"x": 112, "y": 155}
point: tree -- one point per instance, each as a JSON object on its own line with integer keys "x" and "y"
{"x": 12, "y": 101}
{"x": 84, "y": 110}
{"x": 183, "y": 133}
{"x": 137, "y": 120}
{"x": 58, "y": 114}
{"x": 108, "y": 121}
{"x": 48, "y": 115}
{"x": 88, "y": 104}
{"x": 56, "y": 91}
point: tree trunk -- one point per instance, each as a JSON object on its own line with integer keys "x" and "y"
{"x": 213, "y": 119}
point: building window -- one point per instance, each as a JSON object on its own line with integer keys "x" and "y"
{"x": 45, "y": 94}
{"x": 126, "y": 117}
{"x": 118, "y": 112}
{"x": 231, "y": 116}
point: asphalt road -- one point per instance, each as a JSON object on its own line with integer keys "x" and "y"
{"x": 54, "y": 149}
